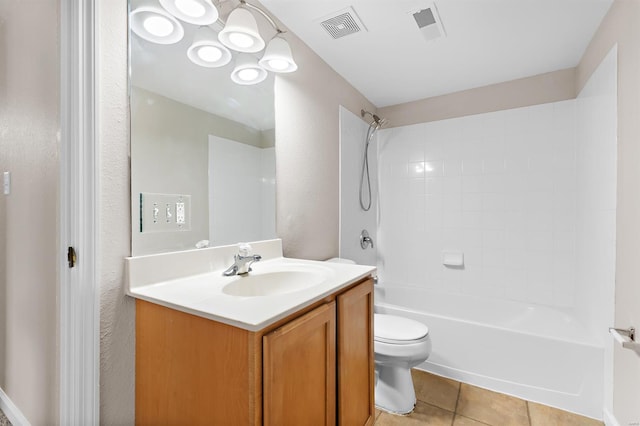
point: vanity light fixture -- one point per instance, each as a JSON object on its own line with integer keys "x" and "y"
{"x": 198, "y": 12}
{"x": 277, "y": 56}
{"x": 207, "y": 51}
{"x": 239, "y": 33}
{"x": 156, "y": 25}
{"x": 247, "y": 71}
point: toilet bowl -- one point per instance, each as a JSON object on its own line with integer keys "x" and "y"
{"x": 399, "y": 345}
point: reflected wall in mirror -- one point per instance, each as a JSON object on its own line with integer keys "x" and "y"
{"x": 195, "y": 132}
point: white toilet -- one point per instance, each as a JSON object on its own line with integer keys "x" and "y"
{"x": 399, "y": 345}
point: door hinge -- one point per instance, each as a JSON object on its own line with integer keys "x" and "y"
{"x": 71, "y": 257}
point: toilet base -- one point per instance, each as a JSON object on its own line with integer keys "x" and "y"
{"x": 394, "y": 391}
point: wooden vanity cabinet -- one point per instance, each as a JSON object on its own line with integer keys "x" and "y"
{"x": 356, "y": 378}
{"x": 314, "y": 367}
{"x": 299, "y": 370}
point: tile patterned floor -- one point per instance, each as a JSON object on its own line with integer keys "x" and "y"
{"x": 3, "y": 420}
{"x": 447, "y": 402}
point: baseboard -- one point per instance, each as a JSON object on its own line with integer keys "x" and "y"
{"x": 12, "y": 412}
{"x": 609, "y": 418}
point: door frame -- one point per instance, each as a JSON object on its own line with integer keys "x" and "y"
{"x": 79, "y": 301}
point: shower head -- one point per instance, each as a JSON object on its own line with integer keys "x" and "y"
{"x": 381, "y": 122}
{"x": 377, "y": 121}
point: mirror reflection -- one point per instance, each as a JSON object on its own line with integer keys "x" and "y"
{"x": 202, "y": 124}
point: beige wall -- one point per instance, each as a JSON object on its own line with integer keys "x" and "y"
{"x": 29, "y": 122}
{"x": 540, "y": 89}
{"x": 307, "y": 153}
{"x": 117, "y": 311}
{"x": 622, "y": 26}
{"x": 170, "y": 155}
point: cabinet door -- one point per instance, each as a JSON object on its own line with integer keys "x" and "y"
{"x": 191, "y": 370}
{"x": 355, "y": 356}
{"x": 299, "y": 372}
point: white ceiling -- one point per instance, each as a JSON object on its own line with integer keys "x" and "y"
{"x": 488, "y": 41}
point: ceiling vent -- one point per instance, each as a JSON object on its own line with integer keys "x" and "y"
{"x": 429, "y": 23}
{"x": 342, "y": 23}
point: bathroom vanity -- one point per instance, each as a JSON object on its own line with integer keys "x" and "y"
{"x": 253, "y": 351}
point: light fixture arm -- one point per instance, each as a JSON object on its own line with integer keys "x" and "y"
{"x": 263, "y": 13}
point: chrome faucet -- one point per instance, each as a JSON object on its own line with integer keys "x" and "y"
{"x": 242, "y": 261}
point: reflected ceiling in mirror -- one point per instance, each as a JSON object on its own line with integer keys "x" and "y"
{"x": 181, "y": 115}
{"x": 167, "y": 70}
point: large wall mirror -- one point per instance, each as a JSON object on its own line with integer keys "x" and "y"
{"x": 202, "y": 146}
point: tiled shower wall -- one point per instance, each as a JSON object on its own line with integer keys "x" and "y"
{"x": 500, "y": 188}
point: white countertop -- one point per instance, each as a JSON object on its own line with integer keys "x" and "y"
{"x": 204, "y": 294}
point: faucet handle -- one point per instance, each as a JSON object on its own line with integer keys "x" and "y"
{"x": 244, "y": 249}
{"x": 365, "y": 239}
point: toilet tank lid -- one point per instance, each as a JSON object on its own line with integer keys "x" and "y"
{"x": 392, "y": 327}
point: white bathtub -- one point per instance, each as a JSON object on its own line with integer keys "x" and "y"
{"x": 533, "y": 352}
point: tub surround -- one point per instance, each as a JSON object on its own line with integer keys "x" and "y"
{"x": 515, "y": 191}
{"x": 192, "y": 282}
{"x": 532, "y": 352}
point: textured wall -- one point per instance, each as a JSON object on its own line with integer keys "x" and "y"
{"x": 621, "y": 26}
{"x": 117, "y": 311}
{"x": 29, "y": 122}
{"x": 307, "y": 152}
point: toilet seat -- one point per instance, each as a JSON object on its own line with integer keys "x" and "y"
{"x": 395, "y": 330}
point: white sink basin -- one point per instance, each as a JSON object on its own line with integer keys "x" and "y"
{"x": 274, "y": 282}
{"x": 192, "y": 281}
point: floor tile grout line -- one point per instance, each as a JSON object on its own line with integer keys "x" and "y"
{"x": 457, "y": 405}
{"x": 455, "y": 408}
{"x": 438, "y": 407}
{"x": 477, "y": 421}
